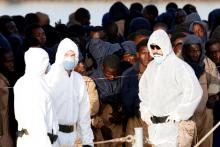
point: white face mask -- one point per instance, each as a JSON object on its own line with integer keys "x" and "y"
{"x": 158, "y": 59}
{"x": 70, "y": 63}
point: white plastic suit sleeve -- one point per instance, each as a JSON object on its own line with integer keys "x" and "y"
{"x": 143, "y": 95}
{"x": 192, "y": 94}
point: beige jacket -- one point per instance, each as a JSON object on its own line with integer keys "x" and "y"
{"x": 5, "y": 139}
{"x": 210, "y": 83}
{"x": 93, "y": 95}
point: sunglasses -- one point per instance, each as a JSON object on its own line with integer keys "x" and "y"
{"x": 154, "y": 46}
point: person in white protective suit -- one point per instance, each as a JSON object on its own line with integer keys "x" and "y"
{"x": 70, "y": 97}
{"x": 33, "y": 103}
{"x": 169, "y": 92}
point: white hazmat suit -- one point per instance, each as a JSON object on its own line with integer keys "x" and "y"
{"x": 70, "y": 98}
{"x": 33, "y": 105}
{"x": 167, "y": 89}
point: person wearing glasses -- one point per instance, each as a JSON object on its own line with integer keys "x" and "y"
{"x": 169, "y": 92}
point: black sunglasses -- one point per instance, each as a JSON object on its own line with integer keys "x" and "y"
{"x": 154, "y": 46}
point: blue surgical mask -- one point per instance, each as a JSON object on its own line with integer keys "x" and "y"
{"x": 158, "y": 59}
{"x": 70, "y": 63}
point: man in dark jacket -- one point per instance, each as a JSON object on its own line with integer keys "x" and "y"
{"x": 108, "y": 86}
{"x": 129, "y": 92}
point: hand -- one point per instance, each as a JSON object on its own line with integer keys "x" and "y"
{"x": 97, "y": 122}
{"x": 106, "y": 133}
{"x": 58, "y": 22}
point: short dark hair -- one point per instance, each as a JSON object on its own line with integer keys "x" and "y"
{"x": 189, "y": 8}
{"x": 132, "y": 36}
{"x": 136, "y": 7}
{"x": 141, "y": 44}
{"x": 112, "y": 61}
{"x": 3, "y": 21}
{"x": 82, "y": 13}
{"x": 171, "y": 5}
{"x": 174, "y": 36}
{"x": 20, "y": 22}
{"x": 31, "y": 18}
{"x": 152, "y": 9}
{"x": 30, "y": 42}
{"x": 210, "y": 43}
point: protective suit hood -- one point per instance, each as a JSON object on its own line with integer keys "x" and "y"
{"x": 64, "y": 46}
{"x": 160, "y": 38}
{"x": 36, "y": 61}
{"x": 32, "y": 101}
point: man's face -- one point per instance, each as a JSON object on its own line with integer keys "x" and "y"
{"x": 40, "y": 35}
{"x": 11, "y": 27}
{"x": 110, "y": 73}
{"x": 194, "y": 52}
{"x": 8, "y": 62}
{"x": 178, "y": 45}
{"x": 198, "y": 30}
{"x": 80, "y": 68}
{"x": 214, "y": 52}
{"x": 129, "y": 58}
{"x": 144, "y": 56}
{"x": 156, "y": 50}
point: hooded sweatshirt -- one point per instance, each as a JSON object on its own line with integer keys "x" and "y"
{"x": 204, "y": 38}
{"x": 198, "y": 67}
{"x": 99, "y": 49}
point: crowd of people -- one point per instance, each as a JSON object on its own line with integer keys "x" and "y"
{"x": 79, "y": 83}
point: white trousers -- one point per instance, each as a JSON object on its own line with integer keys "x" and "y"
{"x": 33, "y": 141}
{"x": 67, "y": 139}
{"x": 163, "y": 134}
